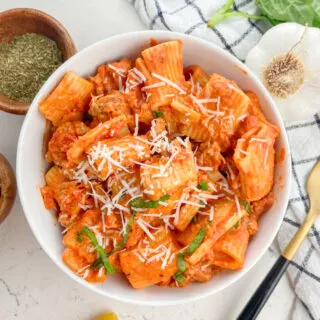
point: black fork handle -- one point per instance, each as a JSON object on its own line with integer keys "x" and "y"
{"x": 263, "y": 292}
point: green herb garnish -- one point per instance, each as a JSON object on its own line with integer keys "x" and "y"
{"x": 181, "y": 262}
{"x": 126, "y": 235}
{"x": 194, "y": 219}
{"x": 142, "y": 203}
{"x": 237, "y": 225}
{"x": 203, "y": 185}
{"x": 227, "y": 11}
{"x": 179, "y": 277}
{"x": 246, "y": 205}
{"x": 157, "y": 114}
{"x": 194, "y": 245}
{"x": 101, "y": 252}
{"x": 97, "y": 264}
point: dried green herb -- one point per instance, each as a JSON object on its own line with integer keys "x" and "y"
{"x": 203, "y": 185}
{"x": 157, "y": 114}
{"x": 25, "y": 64}
{"x": 246, "y": 205}
{"x": 179, "y": 277}
{"x": 237, "y": 224}
{"x": 195, "y": 243}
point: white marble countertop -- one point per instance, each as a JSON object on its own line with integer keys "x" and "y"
{"x": 31, "y": 285}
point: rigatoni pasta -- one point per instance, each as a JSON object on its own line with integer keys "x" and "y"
{"x": 159, "y": 172}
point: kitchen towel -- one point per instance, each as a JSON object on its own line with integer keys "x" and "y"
{"x": 238, "y": 35}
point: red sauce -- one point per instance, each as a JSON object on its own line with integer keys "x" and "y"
{"x": 281, "y": 156}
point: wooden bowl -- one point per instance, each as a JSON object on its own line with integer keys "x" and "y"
{"x": 17, "y": 22}
{"x": 7, "y": 188}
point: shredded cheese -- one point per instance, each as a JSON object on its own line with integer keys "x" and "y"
{"x": 142, "y": 225}
{"x": 168, "y": 82}
{"x": 243, "y": 152}
{"x": 211, "y": 213}
{"x": 155, "y": 85}
{"x": 119, "y": 71}
{"x": 136, "y": 129}
{"x": 210, "y": 184}
{"x": 236, "y": 200}
{"x": 257, "y": 139}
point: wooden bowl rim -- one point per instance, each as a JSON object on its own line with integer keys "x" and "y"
{"x": 8, "y": 185}
{"x": 18, "y": 107}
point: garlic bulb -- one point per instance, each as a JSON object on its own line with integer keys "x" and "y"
{"x": 287, "y": 61}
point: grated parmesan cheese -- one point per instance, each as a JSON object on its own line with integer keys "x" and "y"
{"x": 119, "y": 71}
{"x": 136, "y": 129}
{"x": 236, "y": 200}
{"x": 168, "y": 82}
{"x": 155, "y": 85}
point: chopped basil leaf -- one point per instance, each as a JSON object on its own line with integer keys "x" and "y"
{"x": 237, "y": 225}
{"x": 126, "y": 235}
{"x": 194, "y": 245}
{"x": 179, "y": 277}
{"x": 181, "y": 262}
{"x": 101, "y": 252}
{"x": 203, "y": 185}
{"x": 97, "y": 264}
{"x": 142, "y": 203}
{"x": 246, "y": 205}
{"x": 157, "y": 114}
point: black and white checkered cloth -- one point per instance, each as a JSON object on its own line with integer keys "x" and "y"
{"x": 238, "y": 36}
{"x": 192, "y": 16}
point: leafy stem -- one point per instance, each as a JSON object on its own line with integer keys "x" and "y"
{"x": 226, "y": 11}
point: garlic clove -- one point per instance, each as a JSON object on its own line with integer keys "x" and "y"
{"x": 279, "y": 40}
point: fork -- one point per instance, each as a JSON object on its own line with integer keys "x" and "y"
{"x": 263, "y": 292}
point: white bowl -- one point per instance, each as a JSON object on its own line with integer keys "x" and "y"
{"x": 31, "y": 164}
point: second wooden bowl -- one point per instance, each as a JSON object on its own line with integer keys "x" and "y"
{"x": 17, "y": 22}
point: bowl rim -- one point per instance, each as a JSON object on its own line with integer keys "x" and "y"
{"x": 288, "y": 169}
{"x": 15, "y": 106}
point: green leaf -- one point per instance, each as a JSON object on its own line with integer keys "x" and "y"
{"x": 300, "y": 11}
{"x": 97, "y": 264}
{"x": 316, "y": 8}
{"x": 194, "y": 219}
{"x": 237, "y": 225}
{"x": 126, "y": 235}
{"x": 203, "y": 185}
{"x": 194, "y": 245}
{"x": 142, "y": 203}
{"x": 246, "y": 205}
{"x": 227, "y": 11}
{"x": 179, "y": 277}
{"x": 181, "y": 262}
{"x": 157, "y": 114}
{"x": 101, "y": 252}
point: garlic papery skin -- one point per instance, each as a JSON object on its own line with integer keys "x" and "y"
{"x": 279, "y": 40}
